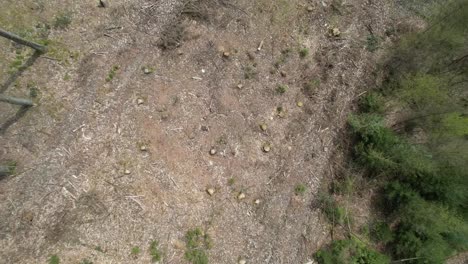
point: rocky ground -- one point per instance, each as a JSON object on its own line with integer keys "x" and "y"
{"x": 154, "y": 118}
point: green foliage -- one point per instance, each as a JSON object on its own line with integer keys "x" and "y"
{"x": 300, "y": 189}
{"x": 86, "y": 261}
{"x": 197, "y": 244}
{"x": 424, "y": 181}
{"x": 62, "y": 21}
{"x": 350, "y": 251}
{"x": 429, "y": 231}
{"x": 54, "y": 259}
{"x": 422, "y": 91}
{"x": 335, "y": 214}
{"x": 372, "y": 43}
{"x": 154, "y": 251}
{"x": 281, "y": 89}
{"x": 112, "y": 73}
{"x": 135, "y": 250}
{"x": 304, "y": 52}
{"x": 381, "y": 232}
{"x": 372, "y": 103}
{"x": 250, "y": 72}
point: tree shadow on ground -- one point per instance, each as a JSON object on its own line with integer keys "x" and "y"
{"x": 23, "y": 109}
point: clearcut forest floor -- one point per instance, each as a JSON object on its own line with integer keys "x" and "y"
{"x": 84, "y": 189}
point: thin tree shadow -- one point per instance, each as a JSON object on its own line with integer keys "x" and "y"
{"x": 20, "y": 71}
{"x": 23, "y": 109}
{"x": 10, "y": 121}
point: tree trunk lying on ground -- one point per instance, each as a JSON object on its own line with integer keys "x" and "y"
{"x": 22, "y": 41}
{"x": 15, "y": 100}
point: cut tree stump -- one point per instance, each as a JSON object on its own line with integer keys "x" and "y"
{"x": 15, "y": 100}
{"x": 22, "y": 41}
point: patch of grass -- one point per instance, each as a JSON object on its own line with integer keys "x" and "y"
{"x": 135, "y": 250}
{"x": 372, "y": 43}
{"x": 347, "y": 185}
{"x": 350, "y": 251}
{"x": 304, "y": 52}
{"x": 99, "y": 249}
{"x": 281, "y": 89}
{"x": 372, "y": 103}
{"x": 63, "y": 20}
{"x": 250, "y": 72}
{"x": 54, "y": 259}
{"x": 112, "y": 73}
{"x": 300, "y": 189}
{"x": 197, "y": 244}
{"x": 311, "y": 86}
{"x": 11, "y": 167}
{"x": 231, "y": 181}
{"x": 86, "y": 261}
{"x": 66, "y": 77}
{"x": 334, "y": 213}
{"x": 16, "y": 64}
{"x": 285, "y": 54}
{"x": 155, "y": 253}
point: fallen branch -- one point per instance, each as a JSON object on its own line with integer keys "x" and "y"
{"x": 15, "y": 100}
{"x": 22, "y": 41}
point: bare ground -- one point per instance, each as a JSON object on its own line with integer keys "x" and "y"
{"x": 70, "y": 194}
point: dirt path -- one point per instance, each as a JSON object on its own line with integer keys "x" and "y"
{"x": 85, "y": 189}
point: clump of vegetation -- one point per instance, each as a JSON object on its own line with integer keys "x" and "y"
{"x": 304, "y": 52}
{"x": 16, "y": 64}
{"x": 281, "y": 89}
{"x": 335, "y": 214}
{"x": 300, "y": 189}
{"x": 154, "y": 251}
{"x": 231, "y": 181}
{"x": 197, "y": 244}
{"x": 311, "y": 86}
{"x": 372, "y": 43}
{"x": 135, "y": 251}
{"x": 250, "y": 72}
{"x": 63, "y": 20}
{"x": 112, "y": 73}
{"x": 350, "y": 251}
{"x": 372, "y": 103}
{"x": 86, "y": 261}
{"x": 54, "y": 259}
{"x": 285, "y": 54}
{"x": 423, "y": 182}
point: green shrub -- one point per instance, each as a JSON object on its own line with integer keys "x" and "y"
{"x": 372, "y": 43}
{"x": 197, "y": 244}
{"x": 281, "y": 89}
{"x": 429, "y": 231}
{"x": 300, "y": 189}
{"x": 62, "y": 21}
{"x": 350, "y": 251}
{"x": 372, "y": 103}
{"x": 381, "y": 232}
{"x": 335, "y": 214}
